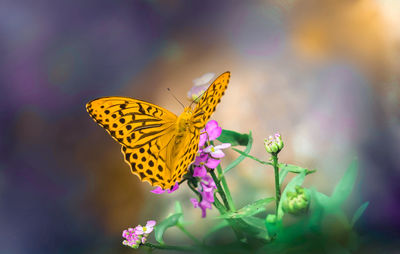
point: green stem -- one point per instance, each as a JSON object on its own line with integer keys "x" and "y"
{"x": 251, "y": 157}
{"x": 220, "y": 190}
{"x": 277, "y": 185}
{"x": 226, "y": 188}
{"x": 173, "y": 247}
{"x": 183, "y": 229}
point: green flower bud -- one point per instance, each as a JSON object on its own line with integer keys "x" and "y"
{"x": 273, "y": 144}
{"x": 296, "y": 202}
{"x": 271, "y": 218}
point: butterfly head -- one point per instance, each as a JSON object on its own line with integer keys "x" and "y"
{"x": 184, "y": 119}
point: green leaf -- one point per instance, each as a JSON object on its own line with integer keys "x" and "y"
{"x": 170, "y": 221}
{"x": 282, "y": 174}
{"x": 179, "y": 210}
{"x": 217, "y": 227}
{"x": 241, "y": 157}
{"x": 359, "y": 213}
{"x": 250, "y": 209}
{"x": 297, "y": 180}
{"x": 234, "y": 138}
{"x": 286, "y": 168}
{"x": 255, "y": 226}
{"x": 252, "y": 157}
{"x": 345, "y": 186}
{"x": 178, "y": 207}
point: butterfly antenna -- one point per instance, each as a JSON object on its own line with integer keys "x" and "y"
{"x": 169, "y": 90}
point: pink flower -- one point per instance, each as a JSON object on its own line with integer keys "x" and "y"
{"x": 138, "y": 235}
{"x": 146, "y": 229}
{"x": 206, "y": 189}
{"x": 207, "y": 158}
{"x": 211, "y": 132}
{"x": 159, "y": 190}
{"x": 216, "y": 151}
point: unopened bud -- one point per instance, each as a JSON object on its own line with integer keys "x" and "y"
{"x": 273, "y": 144}
{"x": 296, "y": 202}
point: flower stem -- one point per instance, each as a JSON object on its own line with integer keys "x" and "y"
{"x": 277, "y": 185}
{"x": 220, "y": 190}
{"x": 183, "y": 229}
{"x": 226, "y": 189}
{"x": 172, "y": 247}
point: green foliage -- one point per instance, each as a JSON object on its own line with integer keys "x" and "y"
{"x": 240, "y": 140}
{"x": 321, "y": 227}
{"x": 250, "y": 209}
{"x": 344, "y": 188}
{"x": 359, "y": 213}
{"x": 234, "y": 138}
{"x": 160, "y": 229}
{"x": 296, "y": 181}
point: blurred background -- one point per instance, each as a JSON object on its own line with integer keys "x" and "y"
{"x": 325, "y": 74}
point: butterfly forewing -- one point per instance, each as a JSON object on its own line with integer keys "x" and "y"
{"x": 131, "y": 122}
{"x": 210, "y": 99}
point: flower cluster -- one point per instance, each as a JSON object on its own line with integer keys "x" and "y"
{"x": 200, "y": 85}
{"x": 138, "y": 235}
{"x": 273, "y": 144}
{"x": 207, "y": 158}
{"x": 206, "y": 189}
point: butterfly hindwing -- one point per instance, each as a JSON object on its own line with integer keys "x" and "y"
{"x": 210, "y": 99}
{"x": 131, "y": 122}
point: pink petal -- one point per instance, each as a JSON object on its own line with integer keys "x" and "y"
{"x": 139, "y": 230}
{"x": 200, "y": 158}
{"x": 213, "y": 130}
{"x": 176, "y": 186}
{"x": 199, "y": 171}
{"x": 203, "y": 139}
{"x": 212, "y": 163}
{"x": 194, "y": 202}
{"x": 208, "y": 149}
{"x": 211, "y": 125}
{"x": 150, "y": 223}
{"x": 158, "y": 190}
{"x": 217, "y": 154}
{"x": 223, "y": 146}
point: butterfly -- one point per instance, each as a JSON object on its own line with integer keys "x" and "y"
{"x": 158, "y": 145}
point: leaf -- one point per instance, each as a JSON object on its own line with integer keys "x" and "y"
{"x": 359, "y": 213}
{"x": 345, "y": 186}
{"x": 217, "y": 227}
{"x": 234, "y": 138}
{"x": 179, "y": 210}
{"x": 252, "y": 157}
{"x": 241, "y": 157}
{"x": 256, "y": 227}
{"x": 298, "y": 180}
{"x": 282, "y": 175}
{"x": 250, "y": 209}
{"x": 170, "y": 221}
{"x": 286, "y": 168}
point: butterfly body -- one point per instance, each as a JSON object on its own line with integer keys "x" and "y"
{"x": 158, "y": 145}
